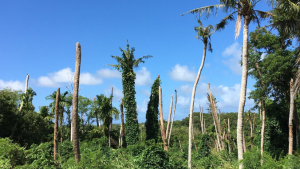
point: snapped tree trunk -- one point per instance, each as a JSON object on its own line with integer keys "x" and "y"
{"x": 173, "y": 117}
{"x": 162, "y": 128}
{"x": 75, "y": 104}
{"x": 20, "y": 109}
{"x": 171, "y": 105}
{"x": 291, "y": 118}
{"x": 56, "y": 123}
{"x": 229, "y": 139}
{"x": 243, "y": 92}
{"x": 180, "y": 146}
{"x": 110, "y": 124}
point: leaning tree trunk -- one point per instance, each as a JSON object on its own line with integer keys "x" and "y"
{"x": 291, "y": 118}
{"x": 173, "y": 117}
{"x": 171, "y": 105}
{"x": 243, "y": 92}
{"x": 192, "y": 108}
{"x": 56, "y": 123}
{"x": 20, "y": 109}
{"x": 75, "y": 104}
{"x": 162, "y": 128}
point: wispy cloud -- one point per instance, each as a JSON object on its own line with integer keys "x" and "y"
{"x": 143, "y": 77}
{"x": 233, "y": 52}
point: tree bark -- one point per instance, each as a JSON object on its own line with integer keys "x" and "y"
{"x": 56, "y": 123}
{"x": 243, "y": 91}
{"x": 173, "y": 117}
{"x": 180, "y": 146}
{"x": 75, "y": 104}
{"x": 291, "y": 118}
{"x": 229, "y": 139}
{"x": 171, "y": 106}
{"x": 162, "y": 128}
{"x": 244, "y": 142}
{"x": 192, "y": 107}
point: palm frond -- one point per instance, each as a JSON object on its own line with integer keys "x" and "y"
{"x": 238, "y": 25}
{"x": 206, "y": 9}
{"x": 140, "y": 60}
{"x": 263, "y": 14}
{"x": 225, "y": 21}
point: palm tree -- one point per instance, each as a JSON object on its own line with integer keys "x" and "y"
{"x": 204, "y": 33}
{"x": 243, "y": 8}
{"x": 126, "y": 63}
{"x": 106, "y": 111}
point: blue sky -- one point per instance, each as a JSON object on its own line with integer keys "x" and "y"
{"x": 39, "y": 38}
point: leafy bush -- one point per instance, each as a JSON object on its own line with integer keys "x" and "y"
{"x": 154, "y": 157}
{"x": 11, "y": 154}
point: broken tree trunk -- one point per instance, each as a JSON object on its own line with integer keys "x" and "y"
{"x": 171, "y": 106}
{"x": 162, "y": 128}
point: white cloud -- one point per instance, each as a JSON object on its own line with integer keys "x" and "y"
{"x": 202, "y": 88}
{"x": 227, "y": 98}
{"x": 67, "y": 76}
{"x": 234, "y": 53}
{"x": 107, "y": 73}
{"x": 117, "y": 93}
{"x": 15, "y": 85}
{"x": 142, "y": 108}
{"x": 182, "y": 73}
{"x": 143, "y": 77}
{"x": 145, "y": 92}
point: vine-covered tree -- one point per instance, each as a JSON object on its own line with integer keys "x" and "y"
{"x": 151, "y": 124}
{"x": 126, "y": 63}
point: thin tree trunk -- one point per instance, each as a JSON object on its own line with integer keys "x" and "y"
{"x": 195, "y": 145}
{"x": 173, "y": 117}
{"x": 204, "y": 126}
{"x": 243, "y": 92}
{"x": 75, "y": 104}
{"x": 122, "y": 122}
{"x": 110, "y": 124}
{"x": 218, "y": 139}
{"x": 244, "y": 142}
{"x": 296, "y": 124}
{"x": 260, "y": 110}
{"x": 141, "y": 133}
{"x": 71, "y": 132}
{"x": 201, "y": 119}
{"x": 162, "y": 128}
{"x": 262, "y": 103}
{"x": 171, "y": 106}
{"x": 97, "y": 120}
{"x": 229, "y": 139}
{"x": 192, "y": 107}
{"x": 180, "y": 146}
{"x": 120, "y": 138}
{"x": 56, "y": 123}
{"x": 20, "y": 109}
{"x": 291, "y": 118}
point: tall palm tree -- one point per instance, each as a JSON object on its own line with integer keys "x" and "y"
{"x": 204, "y": 34}
{"x": 126, "y": 63}
{"x": 244, "y": 9}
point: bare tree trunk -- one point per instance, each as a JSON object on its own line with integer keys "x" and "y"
{"x": 20, "y": 109}
{"x": 244, "y": 142}
{"x": 141, "y": 133}
{"x": 120, "y": 138}
{"x": 173, "y": 117}
{"x": 201, "y": 119}
{"x": 296, "y": 124}
{"x": 229, "y": 139}
{"x": 260, "y": 110}
{"x": 162, "y": 128}
{"x": 243, "y": 91}
{"x": 71, "y": 132}
{"x": 195, "y": 145}
{"x": 122, "y": 122}
{"x": 262, "y": 103}
{"x": 219, "y": 116}
{"x": 204, "y": 126}
{"x": 291, "y": 118}
{"x": 218, "y": 139}
{"x": 110, "y": 124}
{"x": 56, "y": 123}
{"x": 171, "y": 105}
{"x": 75, "y": 104}
{"x": 215, "y": 116}
{"x": 180, "y": 146}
